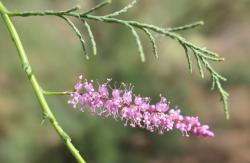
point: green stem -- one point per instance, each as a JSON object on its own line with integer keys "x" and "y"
{"x": 100, "y": 5}
{"x": 185, "y": 27}
{"x": 57, "y": 93}
{"x": 38, "y": 91}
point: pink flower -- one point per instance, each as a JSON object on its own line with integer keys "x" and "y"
{"x": 127, "y": 97}
{"x": 136, "y": 111}
{"x": 103, "y": 91}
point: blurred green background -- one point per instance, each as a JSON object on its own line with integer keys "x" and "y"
{"x": 56, "y": 56}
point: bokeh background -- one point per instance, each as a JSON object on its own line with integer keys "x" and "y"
{"x": 56, "y": 56}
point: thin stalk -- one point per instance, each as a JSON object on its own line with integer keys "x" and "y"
{"x": 56, "y": 93}
{"x": 36, "y": 87}
{"x": 185, "y": 27}
{"x": 100, "y": 5}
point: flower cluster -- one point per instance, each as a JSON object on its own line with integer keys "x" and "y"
{"x": 136, "y": 111}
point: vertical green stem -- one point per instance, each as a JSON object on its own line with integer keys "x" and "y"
{"x": 38, "y": 90}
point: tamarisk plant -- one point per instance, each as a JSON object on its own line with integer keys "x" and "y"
{"x": 121, "y": 104}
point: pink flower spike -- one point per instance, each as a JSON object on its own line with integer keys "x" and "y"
{"x": 135, "y": 112}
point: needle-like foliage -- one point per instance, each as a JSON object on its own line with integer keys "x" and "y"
{"x": 202, "y": 56}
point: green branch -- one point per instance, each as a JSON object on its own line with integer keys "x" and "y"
{"x": 185, "y": 27}
{"x": 123, "y": 10}
{"x": 91, "y": 37}
{"x": 98, "y": 6}
{"x": 36, "y": 87}
{"x": 78, "y": 34}
{"x": 201, "y": 55}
